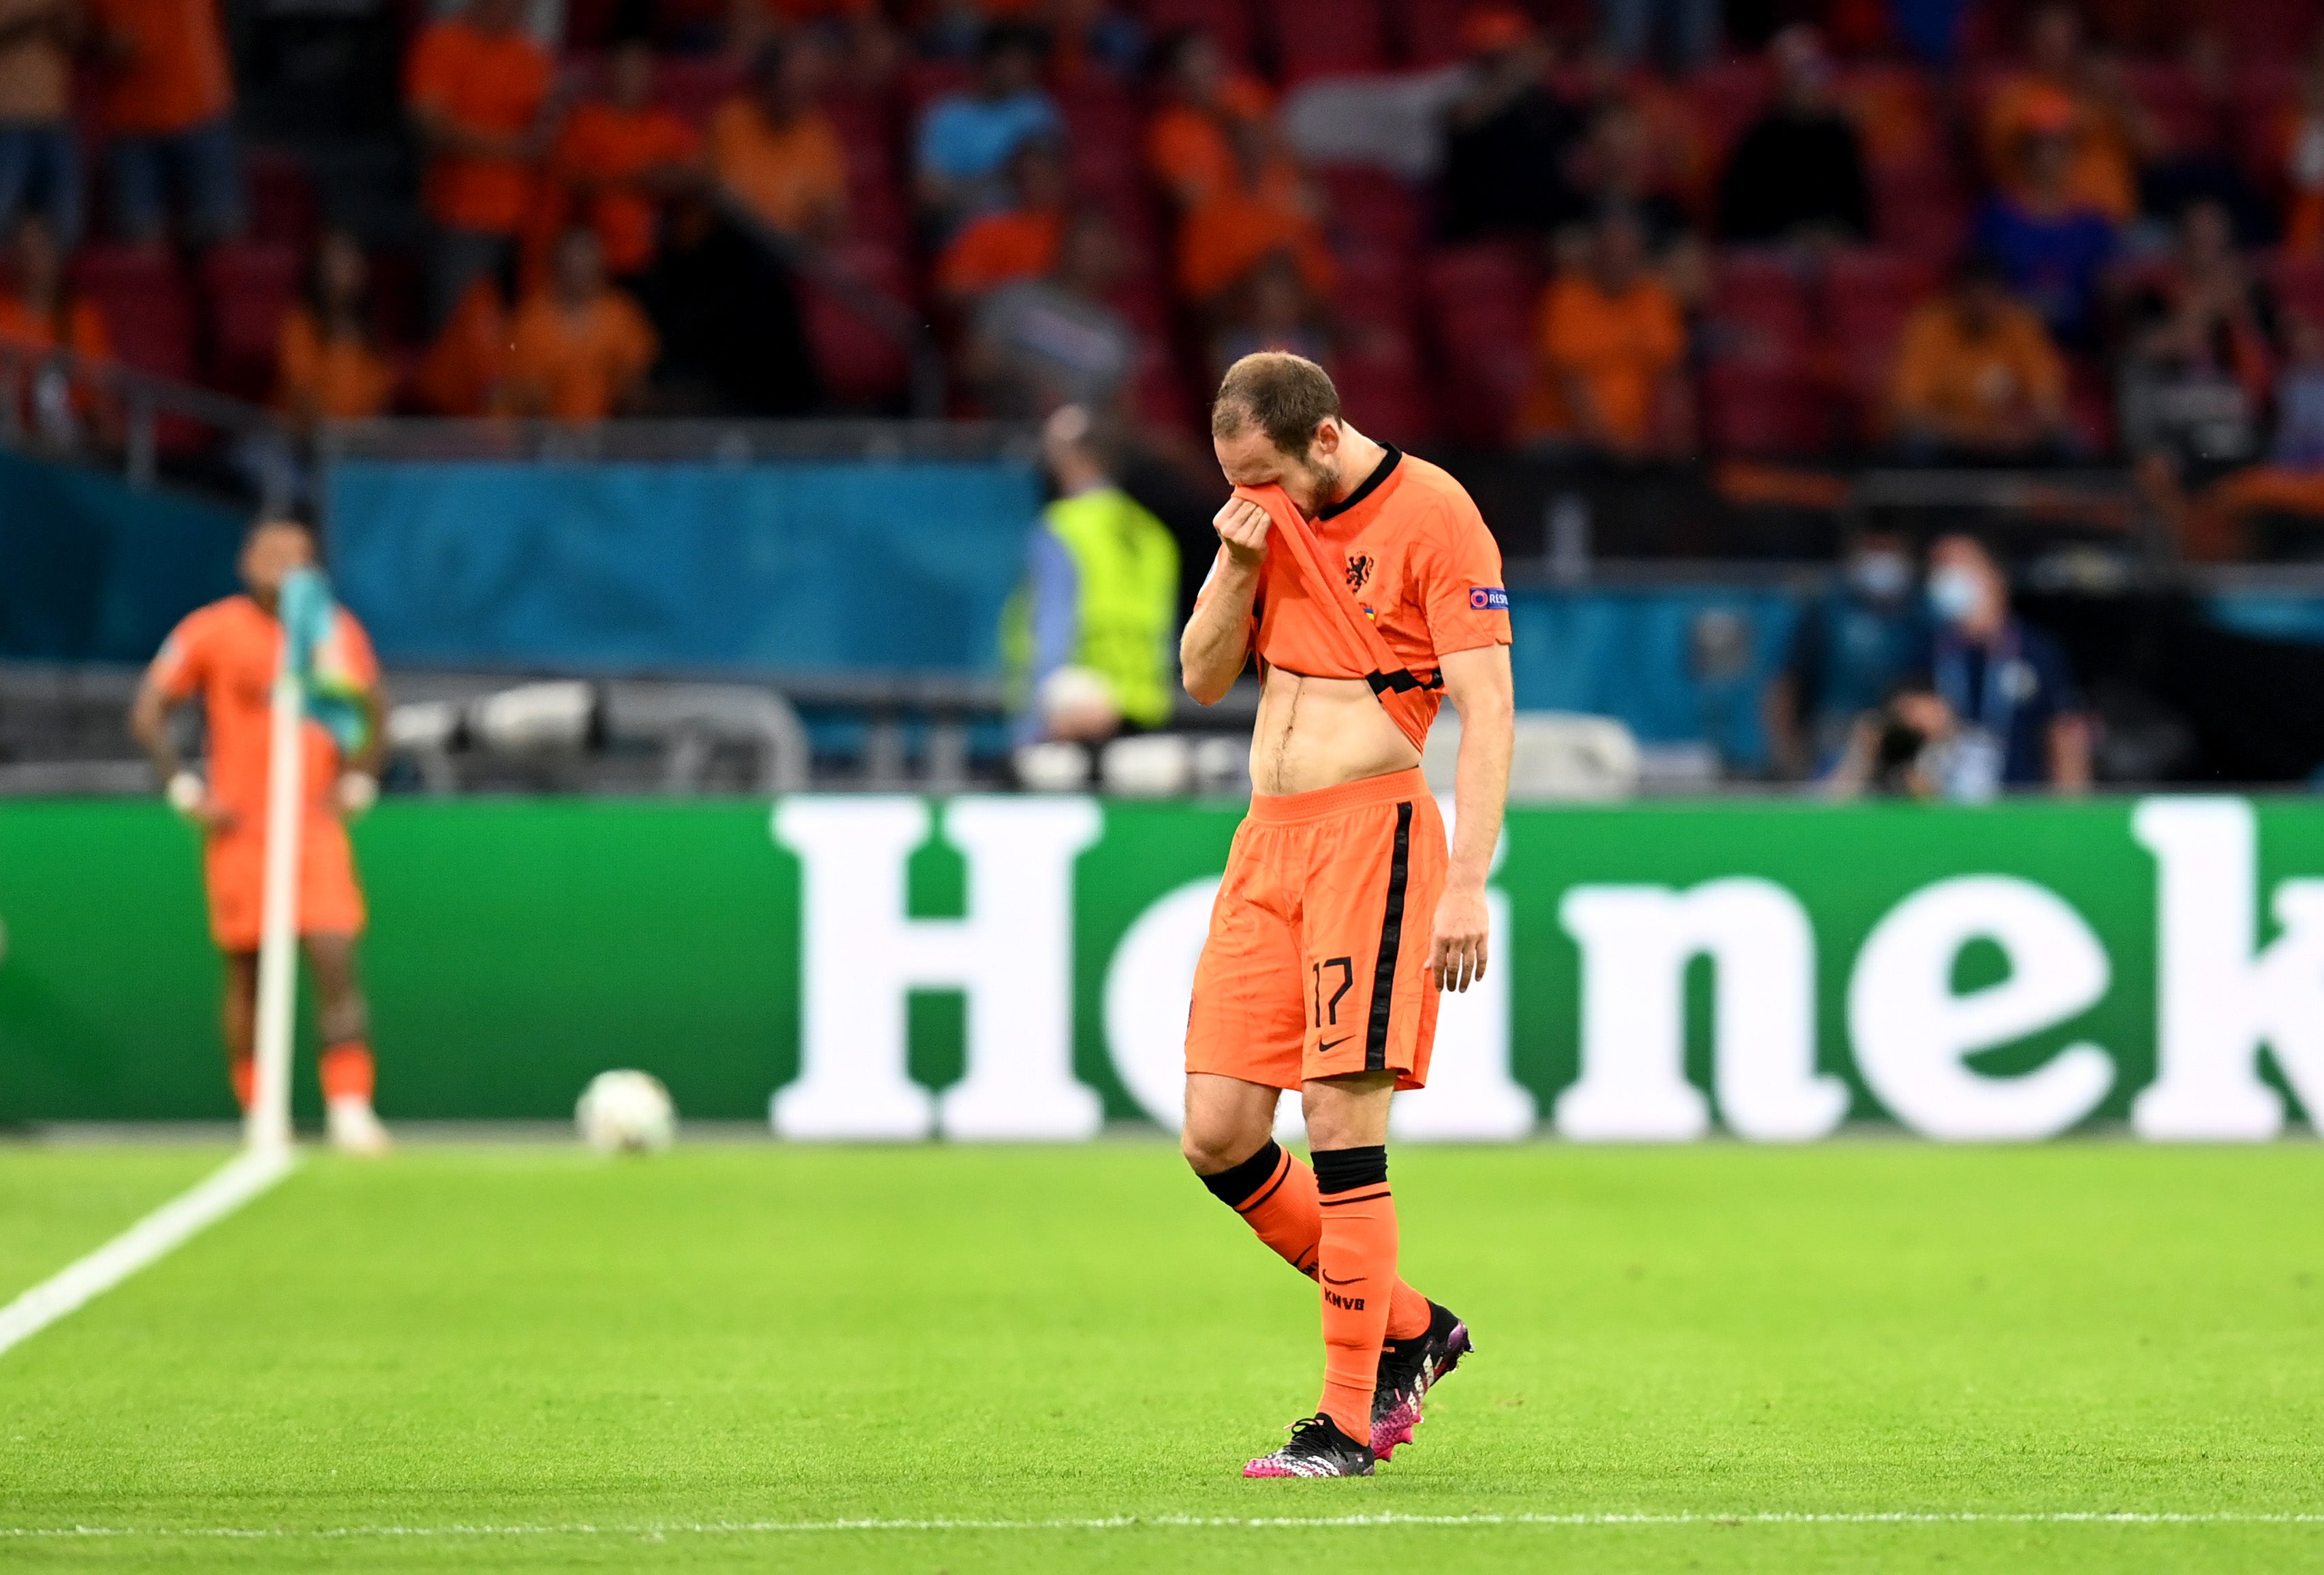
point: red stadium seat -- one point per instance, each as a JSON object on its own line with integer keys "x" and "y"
{"x": 1159, "y": 393}
{"x": 1920, "y": 212}
{"x": 690, "y": 87}
{"x": 1328, "y": 38}
{"x": 282, "y": 203}
{"x": 145, "y": 307}
{"x": 1726, "y": 98}
{"x": 1481, "y": 302}
{"x": 2300, "y": 285}
{"x": 860, "y": 363}
{"x": 250, "y": 285}
{"x": 1378, "y": 371}
{"x": 1758, "y": 305}
{"x": 1765, "y": 411}
{"x": 1430, "y": 34}
{"x": 1867, "y": 296}
{"x": 1376, "y": 285}
{"x": 1227, "y": 21}
{"x": 1371, "y": 207}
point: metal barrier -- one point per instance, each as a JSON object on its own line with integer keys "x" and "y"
{"x": 58, "y": 404}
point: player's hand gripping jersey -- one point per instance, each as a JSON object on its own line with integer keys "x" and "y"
{"x": 1317, "y": 960}
{"x": 228, "y": 652}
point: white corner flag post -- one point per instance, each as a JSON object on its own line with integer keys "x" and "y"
{"x": 268, "y": 1125}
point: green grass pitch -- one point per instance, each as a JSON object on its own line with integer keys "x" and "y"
{"x": 520, "y": 1358}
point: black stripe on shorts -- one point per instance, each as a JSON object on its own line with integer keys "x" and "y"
{"x": 1399, "y": 868}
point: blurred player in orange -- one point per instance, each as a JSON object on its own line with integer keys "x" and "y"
{"x": 1371, "y": 590}
{"x": 227, "y": 655}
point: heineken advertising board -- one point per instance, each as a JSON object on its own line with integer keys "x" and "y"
{"x": 1002, "y": 968}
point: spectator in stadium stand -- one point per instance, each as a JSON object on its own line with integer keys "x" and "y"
{"x": 327, "y": 363}
{"x": 1269, "y": 310}
{"x": 165, "y": 96}
{"x": 2054, "y": 247}
{"x": 1187, "y": 144}
{"x": 39, "y": 148}
{"x": 43, "y": 313}
{"x": 1687, "y": 30}
{"x": 1266, "y": 207}
{"x": 965, "y": 138}
{"x": 2290, "y": 482}
{"x": 2199, "y": 359}
{"x": 466, "y": 362}
{"x": 479, "y": 91}
{"x": 1850, "y": 649}
{"x": 618, "y": 158}
{"x": 580, "y": 348}
{"x": 1017, "y": 241}
{"x": 2299, "y": 149}
{"x": 1977, "y": 380}
{"x": 2011, "y": 713}
{"x": 1043, "y": 342}
{"x": 855, "y": 33}
{"x": 1798, "y": 172}
{"x": 1083, "y": 35}
{"x": 1621, "y": 171}
{"x": 776, "y": 152}
{"x": 1089, "y": 638}
{"x": 1507, "y": 138}
{"x": 1610, "y": 347}
{"x": 2062, "y": 89}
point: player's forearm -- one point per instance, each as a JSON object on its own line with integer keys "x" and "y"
{"x": 149, "y": 726}
{"x": 1217, "y": 641}
{"x": 1481, "y": 785}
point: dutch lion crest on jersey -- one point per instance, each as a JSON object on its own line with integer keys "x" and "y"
{"x": 1360, "y": 569}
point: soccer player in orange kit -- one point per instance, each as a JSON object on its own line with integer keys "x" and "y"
{"x": 226, "y": 654}
{"x": 1342, "y": 912}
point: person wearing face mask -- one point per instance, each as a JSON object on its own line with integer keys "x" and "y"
{"x": 2014, "y": 714}
{"x": 1852, "y": 646}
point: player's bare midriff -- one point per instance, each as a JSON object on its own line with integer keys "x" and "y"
{"x": 1320, "y": 732}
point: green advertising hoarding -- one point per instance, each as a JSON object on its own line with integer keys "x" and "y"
{"x": 1016, "y": 967}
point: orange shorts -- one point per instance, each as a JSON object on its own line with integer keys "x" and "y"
{"x": 1317, "y": 964}
{"x": 331, "y": 901}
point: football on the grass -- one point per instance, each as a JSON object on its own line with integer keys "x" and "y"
{"x": 626, "y": 1112}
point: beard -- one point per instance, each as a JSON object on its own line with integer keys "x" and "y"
{"x": 1325, "y": 479}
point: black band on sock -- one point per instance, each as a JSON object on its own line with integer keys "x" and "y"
{"x": 1234, "y": 1185}
{"x": 1343, "y": 1170}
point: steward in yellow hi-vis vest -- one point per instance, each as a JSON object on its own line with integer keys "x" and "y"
{"x": 1095, "y": 627}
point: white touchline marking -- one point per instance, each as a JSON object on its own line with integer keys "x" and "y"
{"x": 225, "y": 1191}
{"x": 1168, "y": 1521}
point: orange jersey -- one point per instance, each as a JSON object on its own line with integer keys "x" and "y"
{"x": 609, "y": 149}
{"x": 481, "y": 82}
{"x": 172, "y": 73}
{"x": 1424, "y": 568}
{"x": 227, "y": 653}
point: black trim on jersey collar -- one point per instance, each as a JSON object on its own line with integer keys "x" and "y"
{"x": 1372, "y": 485}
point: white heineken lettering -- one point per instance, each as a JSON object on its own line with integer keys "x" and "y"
{"x": 1912, "y": 1034}
{"x": 1635, "y": 943}
{"x": 1471, "y": 1096}
{"x": 1148, "y": 988}
{"x": 2219, "y": 998}
{"x": 862, "y": 954}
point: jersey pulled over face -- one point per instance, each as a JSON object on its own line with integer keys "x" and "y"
{"x": 227, "y": 653}
{"x": 1417, "y": 556}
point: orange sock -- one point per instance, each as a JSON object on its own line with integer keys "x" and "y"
{"x": 243, "y": 1072}
{"x": 348, "y": 1071}
{"x": 1357, "y": 1261}
{"x": 1275, "y": 1196}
